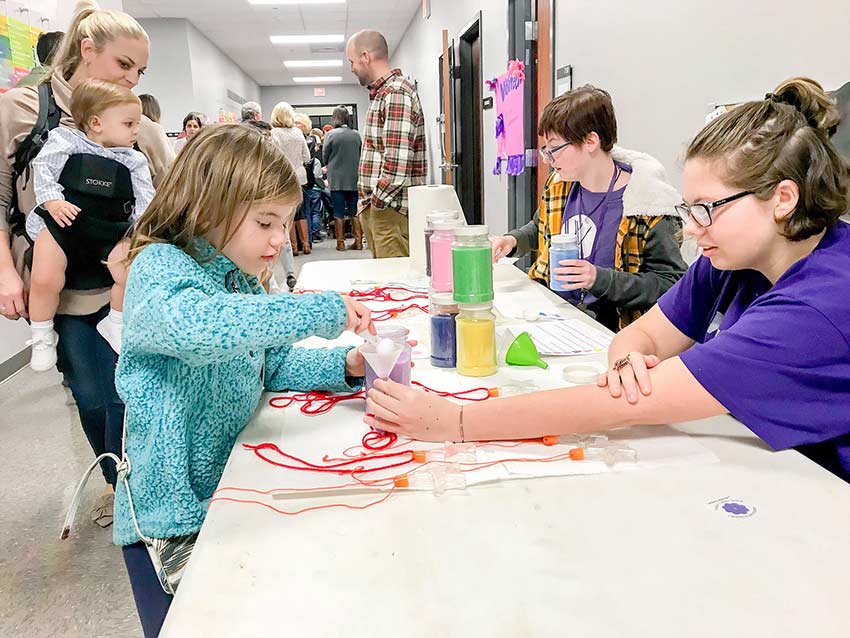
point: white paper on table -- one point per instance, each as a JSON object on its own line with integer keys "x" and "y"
{"x": 656, "y": 446}
{"x": 567, "y": 337}
{"x": 513, "y": 304}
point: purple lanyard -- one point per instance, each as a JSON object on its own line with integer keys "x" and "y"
{"x": 603, "y": 205}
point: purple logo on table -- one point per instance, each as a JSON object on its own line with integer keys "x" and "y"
{"x": 733, "y": 508}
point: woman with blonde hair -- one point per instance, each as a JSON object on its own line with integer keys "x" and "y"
{"x": 290, "y": 140}
{"x": 101, "y": 45}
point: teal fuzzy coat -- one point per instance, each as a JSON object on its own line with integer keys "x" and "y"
{"x": 201, "y": 342}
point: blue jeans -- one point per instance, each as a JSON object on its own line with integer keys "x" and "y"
{"x": 345, "y": 204}
{"x": 152, "y": 602}
{"x": 313, "y": 211}
{"x": 88, "y": 364}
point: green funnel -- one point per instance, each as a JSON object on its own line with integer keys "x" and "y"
{"x": 523, "y": 352}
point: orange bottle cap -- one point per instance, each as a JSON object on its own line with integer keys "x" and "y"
{"x": 577, "y": 454}
{"x": 420, "y": 456}
{"x": 493, "y": 392}
{"x": 550, "y": 440}
{"x": 401, "y": 481}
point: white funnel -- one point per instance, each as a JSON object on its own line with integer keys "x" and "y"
{"x": 382, "y": 356}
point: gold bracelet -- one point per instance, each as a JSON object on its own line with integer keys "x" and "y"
{"x": 460, "y": 425}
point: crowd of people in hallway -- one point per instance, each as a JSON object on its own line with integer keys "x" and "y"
{"x": 167, "y": 263}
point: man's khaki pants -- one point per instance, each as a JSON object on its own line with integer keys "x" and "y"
{"x": 386, "y": 232}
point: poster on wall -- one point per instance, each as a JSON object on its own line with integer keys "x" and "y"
{"x": 17, "y": 51}
{"x": 510, "y": 146}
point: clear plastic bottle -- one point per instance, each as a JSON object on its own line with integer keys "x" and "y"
{"x": 476, "y": 340}
{"x": 561, "y": 247}
{"x": 472, "y": 265}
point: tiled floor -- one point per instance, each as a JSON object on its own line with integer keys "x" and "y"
{"x": 77, "y": 587}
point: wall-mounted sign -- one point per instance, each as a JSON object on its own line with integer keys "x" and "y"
{"x": 563, "y": 80}
{"x": 319, "y": 91}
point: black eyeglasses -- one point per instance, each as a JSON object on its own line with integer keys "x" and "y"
{"x": 549, "y": 153}
{"x": 701, "y": 213}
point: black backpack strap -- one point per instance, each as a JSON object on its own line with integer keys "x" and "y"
{"x": 49, "y": 116}
{"x": 48, "y": 119}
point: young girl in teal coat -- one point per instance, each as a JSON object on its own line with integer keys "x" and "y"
{"x": 203, "y": 340}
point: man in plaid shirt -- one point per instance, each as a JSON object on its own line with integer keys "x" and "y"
{"x": 393, "y": 155}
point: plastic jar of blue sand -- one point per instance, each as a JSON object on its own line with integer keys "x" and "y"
{"x": 561, "y": 247}
{"x": 443, "y": 331}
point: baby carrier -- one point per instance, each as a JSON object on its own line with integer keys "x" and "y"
{"x": 103, "y": 191}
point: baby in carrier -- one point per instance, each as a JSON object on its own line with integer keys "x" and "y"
{"x": 90, "y": 186}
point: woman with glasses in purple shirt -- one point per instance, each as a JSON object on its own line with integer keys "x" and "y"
{"x": 759, "y": 326}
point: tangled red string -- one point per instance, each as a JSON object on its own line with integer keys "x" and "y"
{"x": 347, "y": 466}
{"x": 378, "y": 440}
{"x": 316, "y": 402}
{"x": 392, "y": 313}
{"x": 383, "y": 293}
{"x": 378, "y": 293}
{"x": 463, "y": 395}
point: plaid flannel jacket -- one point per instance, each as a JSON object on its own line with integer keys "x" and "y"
{"x": 631, "y": 238}
{"x": 393, "y": 156}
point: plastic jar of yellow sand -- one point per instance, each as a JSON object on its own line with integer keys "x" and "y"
{"x": 476, "y": 340}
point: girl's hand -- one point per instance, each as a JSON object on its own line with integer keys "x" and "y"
{"x": 62, "y": 212}
{"x": 629, "y": 373}
{"x": 355, "y": 364}
{"x": 576, "y": 274}
{"x": 412, "y": 413}
{"x": 359, "y": 316}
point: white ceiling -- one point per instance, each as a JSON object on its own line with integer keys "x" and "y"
{"x": 242, "y": 30}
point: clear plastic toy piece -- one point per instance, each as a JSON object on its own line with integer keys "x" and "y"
{"x": 437, "y": 478}
{"x": 451, "y": 452}
{"x": 577, "y": 440}
{"x": 610, "y": 454}
{"x": 513, "y": 389}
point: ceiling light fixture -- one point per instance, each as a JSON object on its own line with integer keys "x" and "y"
{"x": 319, "y": 79}
{"x": 303, "y": 64}
{"x": 307, "y": 39}
{"x": 290, "y": 2}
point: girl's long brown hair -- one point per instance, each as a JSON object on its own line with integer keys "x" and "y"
{"x": 220, "y": 171}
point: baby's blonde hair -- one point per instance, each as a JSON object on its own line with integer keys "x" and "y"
{"x": 93, "y": 97}
{"x": 224, "y": 169}
{"x": 101, "y": 26}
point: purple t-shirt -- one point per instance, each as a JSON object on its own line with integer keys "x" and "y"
{"x": 777, "y": 357}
